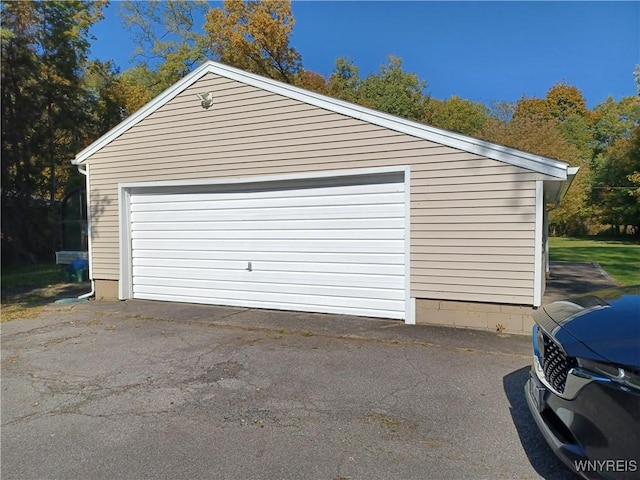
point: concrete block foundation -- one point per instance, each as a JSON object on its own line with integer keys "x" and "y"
{"x": 484, "y": 316}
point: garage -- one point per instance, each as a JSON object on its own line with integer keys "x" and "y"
{"x": 330, "y": 245}
{"x": 276, "y": 197}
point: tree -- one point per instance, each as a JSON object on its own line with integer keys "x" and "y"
{"x": 313, "y": 81}
{"x": 563, "y": 104}
{"x": 394, "y": 91}
{"x": 611, "y": 120}
{"x": 344, "y": 81}
{"x": 138, "y": 86}
{"x": 168, "y": 45}
{"x": 565, "y": 100}
{"x": 615, "y": 185}
{"x": 254, "y": 36}
{"x": 105, "y": 97}
{"x": 561, "y": 101}
{"x": 533, "y": 109}
{"x": 457, "y": 114}
{"x": 614, "y": 162}
{"x": 390, "y": 90}
{"x": 44, "y": 48}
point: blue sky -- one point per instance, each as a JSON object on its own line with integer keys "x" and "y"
{"x": 483, "y": 51}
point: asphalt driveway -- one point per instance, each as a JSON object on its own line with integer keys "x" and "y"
{"x": 140, "y": 390}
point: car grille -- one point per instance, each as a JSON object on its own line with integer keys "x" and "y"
{"x": 556, "y": 365}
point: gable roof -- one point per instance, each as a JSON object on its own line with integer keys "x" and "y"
{"x": 536, "y": 163}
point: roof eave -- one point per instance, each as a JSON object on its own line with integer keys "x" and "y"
{"x": 556, "y": 190}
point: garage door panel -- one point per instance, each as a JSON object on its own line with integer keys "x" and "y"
{"x": 335, "y": 248}
{"x": 382, "y": 233}
{"x": 198, "y": 276}
{"x": 253, "y": 288}
{"x": 278, "y": 266}
{"x": 284, "y": 245}
{"x": 278, "y": 225}
{"x": 320, "y": 258}
{"x": 314, "y": 303}
{"x": 284, "y": 213}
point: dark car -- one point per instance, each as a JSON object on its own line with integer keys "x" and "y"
{"x": 584, "y": 387}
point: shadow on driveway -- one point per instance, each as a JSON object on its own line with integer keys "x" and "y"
{"x": 542, "y": 459}
{"x": 569, "y": 279}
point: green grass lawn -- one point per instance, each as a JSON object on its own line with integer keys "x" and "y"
{"x": 619, "y": 258}
{"x": 32, "y": 275}
{"x": 26, "y": 290}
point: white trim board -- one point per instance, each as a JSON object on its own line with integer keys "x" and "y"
{"x": 544, "y": 165}
{"x": 538, "y": 274}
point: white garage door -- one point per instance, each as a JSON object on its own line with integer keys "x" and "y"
{"x": 334, "y": 246}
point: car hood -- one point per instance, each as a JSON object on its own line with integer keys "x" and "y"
{"x": 603, "y": 324}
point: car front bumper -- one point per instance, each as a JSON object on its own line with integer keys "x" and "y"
{"x": 596, "y": 435}
{"x": 553, "y": 430}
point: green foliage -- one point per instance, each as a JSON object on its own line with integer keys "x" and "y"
{"x": 344, "y": 81}
{"x": 611, "y": 120}
{"x": 615, "y": 163}
{"x": 619, "y": 258}
{"x": 394, "y": 91}
{"x": 139, "y": 85}
{"x": 44, "y": 51}
{"x": 105, "y": 100}
{"x": 390, "y": 90}
{"x": 457, "y": 114}
{"x": 614, "y": 190}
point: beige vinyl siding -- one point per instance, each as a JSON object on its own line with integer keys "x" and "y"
{"x": 472, "y": 218}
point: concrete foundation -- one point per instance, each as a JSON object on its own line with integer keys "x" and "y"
{"x": 106, "y": 289}
{"x": 484, "y": 316}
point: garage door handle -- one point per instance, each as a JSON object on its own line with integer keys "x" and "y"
{"x": 249, "y": 268}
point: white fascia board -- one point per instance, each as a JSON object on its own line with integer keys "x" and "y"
{"x": 543, "y": 165}
{"x": 410, "y": 303}
{"x": 125, "y": 286}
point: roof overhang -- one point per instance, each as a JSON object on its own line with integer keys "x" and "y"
{"x": 544, "y": 165}
{"x": 555, "y": 190}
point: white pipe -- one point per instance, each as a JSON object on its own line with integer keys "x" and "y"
{"x": 89, "y": 294}
{"x": 85, "y": 172}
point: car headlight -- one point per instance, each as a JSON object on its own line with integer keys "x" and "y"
{"x": 626, "y": 376}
